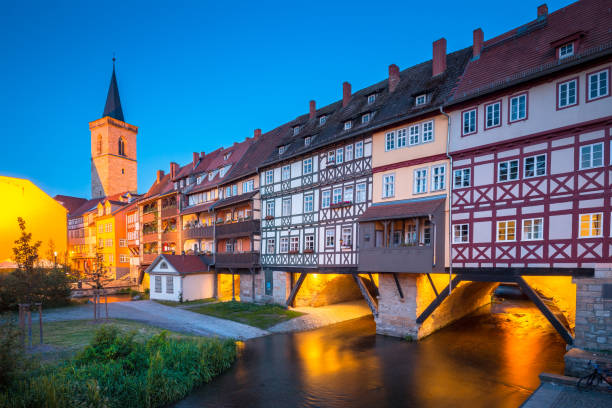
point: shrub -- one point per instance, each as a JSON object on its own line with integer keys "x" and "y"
{"x": 10, "y": 351}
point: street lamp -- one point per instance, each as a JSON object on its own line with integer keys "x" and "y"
{"x": 55, "y": 260}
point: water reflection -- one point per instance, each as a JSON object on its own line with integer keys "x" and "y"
{"x": 487, "y": 359}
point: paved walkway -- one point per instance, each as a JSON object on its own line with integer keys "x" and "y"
{"x": 561, "y": 392}
{"x": 316, "y": 317}
{"x": 166, "y": 317}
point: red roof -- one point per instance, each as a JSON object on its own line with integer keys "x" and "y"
{"x": 70, "y": 203}
{"x": 532, "y": 47}
{"x": 410, "y": 209}
{"x": 184, "y": 264}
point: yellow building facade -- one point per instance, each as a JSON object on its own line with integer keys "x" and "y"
{"x": 45, "y": 219}
{"x": 111, "y": 239}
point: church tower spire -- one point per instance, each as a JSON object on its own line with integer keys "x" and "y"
{"x": 113, "y": 148}
{"x": 113, "y": 103}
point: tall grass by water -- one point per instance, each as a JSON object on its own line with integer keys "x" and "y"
{"x": 116, "y": 370}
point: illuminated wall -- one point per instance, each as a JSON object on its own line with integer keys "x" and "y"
{"x": 45, "y": 218}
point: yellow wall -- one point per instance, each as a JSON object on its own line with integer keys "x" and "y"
{"x": 45, "y": 218}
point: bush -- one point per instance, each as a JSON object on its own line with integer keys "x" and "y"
{"x": 51, "y": 287}
{"x": 117, "y": 371}
{"x": 10, "y": 351}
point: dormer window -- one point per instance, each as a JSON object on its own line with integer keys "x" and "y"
{"x": 307, "y": 141}
{"x": 322, "y": 120}
{"x": 348, "y": 124}
{"x": 282, "y": 149}
{"x": 227, "y": 155}
{"x": 296, "y": 130}
{"x": 371, "y": 99}
{"x": 566, "y": 50}
{"x": 365, "y": 118}
{"x": 420, "y": 100}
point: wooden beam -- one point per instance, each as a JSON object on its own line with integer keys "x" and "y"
{"x": 296, "y": 288}
{"x": 399, "y": 288}
{"x": 535, "y": 298}
{"x": 539, "y": 271}
{"x": 432, "y": 285}
{"x": 437, "y": 301}
{"x": 366, "y": 294}
{"x": 377, "y": 293}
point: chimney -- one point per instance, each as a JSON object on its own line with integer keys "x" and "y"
{"x": 313, "y": 109}
{"x": 160, "y": 176}
{"x": 542, "y": 10}
{"x": 439, "y": 57}
{"x": 478, "y": 43}
{"x": 346, "y": 93}
{"x": 256, "y": 133}
{"x": 196, "y": 157}
{"x": 202, "y": 154}
{"x": 394, "y": 77}
{"x": 173, "y": 169}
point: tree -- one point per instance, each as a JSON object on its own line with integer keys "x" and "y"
{"x": 26, "y": 253}
{"x": 98, "y": 277}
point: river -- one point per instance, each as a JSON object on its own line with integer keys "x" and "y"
{"x": 491, "y": 358}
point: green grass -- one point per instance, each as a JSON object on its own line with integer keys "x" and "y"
{"x": 185, "y": 303}
{"x": 262, "y": 316}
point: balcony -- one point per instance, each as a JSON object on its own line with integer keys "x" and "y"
{"x": 198, "y": 232}
{"x": 238, "y": 229}
{"x": 149, "y": 237}
{"x": 237, "y": 260}
{"x": 170, "y": 236}
{"x": 147, "y": 259}
{"x": 148, "y": 217}
{"x": 404, "y": 259}
{"x": 169, "y": 212}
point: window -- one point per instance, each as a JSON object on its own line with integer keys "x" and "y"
{"x": 518, "y": 107}
{"x": 438, "y": 178}
{"x": 461, "y": 178}
{"x": 401, "y": 138}
{"x": 591, "y": 156}
{"x": 109, "y": 243}
{"x": 270, "y": 245}
{"x": 365, "y": 118}
{"x": 122, "y": 243}
{"x": 157, "y": 284}
{"x": 325, "y": 198}
{"x": 322, "y": 120}
{"x": 123, "y": 258}
{"x": 358, "y": 150}
{"x": 493, "y": 115}
{"x": 307, "y": 166}
{"x": 100, "y": 243}
{"x": 420, "y": 181}
{"x": 100, "y": 228}
{"x": 348, "y": 152}
{"x": 269, "y": 176}
{"x": 506, "y": 230}
{"x": 461, "y": 233}
{"x": 567, "y": 94}
{"x": 598, "y": 85}
{"x": 229, "y": 246}
{"x": 330, "y": 238}
{"x": 286, "y": 172}
{"x": 420, "y": 100}
{"x": 533, "y": 229}
{"x": 331, "y": 157}
{"x": 282, "y": 149}
{"x": 309, "y": 242}
{"x": 348, "y": 124}
{"x": 227, "y": 155}
{"x": 371, "y": 99}
{"x": 228, "y": 191}
{"x": 286, "y": 207}
{"x": 99, "y": 144}
{"x": 169, "y": 284}
{"x": 296, "y": 130}
{"x": 428, "y": 131}
{"x": 413, "y": 133}
{"x": 508, "y": 170}
{"x": 339, "y": 156}
{"x": 308, "y": 203}
{"x": 469, "y": 122}
{"x": 535, "y": 166}
{"x": 427, "y": 233}
{"x": 307, "y": 141}
{"x": 566, "y": 50}
{"x": 121, "y": 147}
{"x": 347, "y": 237}
{"x": 591, "y": 225}
{"x": 388, "y": 185}
{"x": 390, "y": 141}
{"x": 361, "y": 193}
{"x": 337, "y": 196}
{"x": 248, "y": 186}
{"x": 294, "y": 244}
{"x": 284, "y": 245}
{"x": 348, "y": 193}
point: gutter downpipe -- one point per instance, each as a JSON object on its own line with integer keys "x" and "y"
{"x": 450, "y": 206}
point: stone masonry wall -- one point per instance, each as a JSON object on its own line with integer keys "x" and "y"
{"x": 594, "y": 311}
{"x": 326, "y": 289}
{"x": 246, "y": 287}
{"x": 224, "y": 286}
{"x": 281, "y": 286}
{"x": 396, "y": 315}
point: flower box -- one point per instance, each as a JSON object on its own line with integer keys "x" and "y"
{"x": 308, "y": 251}
{"x": 341, "y": 204}
{"x": 294, "y": 252}
{"x": 269, "y": 217}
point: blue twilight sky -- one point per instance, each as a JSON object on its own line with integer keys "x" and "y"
{"x": 196, "y": 75}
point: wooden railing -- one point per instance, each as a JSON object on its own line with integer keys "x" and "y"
{"x": 198, "y": 232}
{"x": 238, "y": 229}
{"x": 236, "y": 259}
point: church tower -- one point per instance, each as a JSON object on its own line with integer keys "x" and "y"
{"x": 113, "y": 149}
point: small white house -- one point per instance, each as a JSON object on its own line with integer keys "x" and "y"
{"x": 176, "y": 277}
